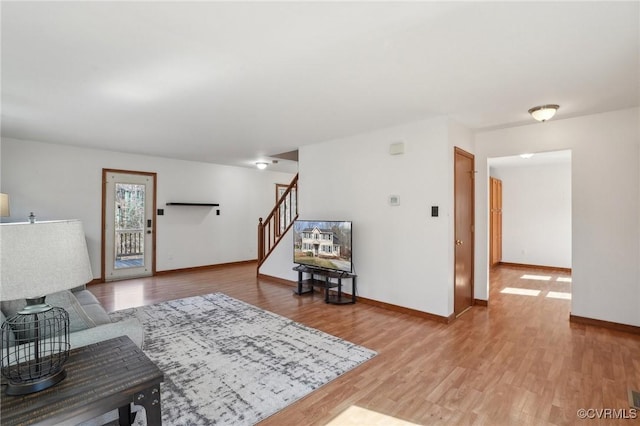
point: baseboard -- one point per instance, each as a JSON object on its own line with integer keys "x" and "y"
{"x": 376, "y": 303}
{"x": 277, "y": 280}
{"x": 403, "y": 310}
{"x": 371, "y": 302}
{"x": 480, "y": 302}
{"x": 206, "y": 267}
{"x": 191, "y": 269}
{"x": 605, "y": 324}
{"x": 528, "y": 266}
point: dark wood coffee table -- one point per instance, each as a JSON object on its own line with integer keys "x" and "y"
{"x": 100, "y": 378}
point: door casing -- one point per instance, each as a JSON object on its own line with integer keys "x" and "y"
{"x": 153, "y": 176}
{"x": 495, "y": 221}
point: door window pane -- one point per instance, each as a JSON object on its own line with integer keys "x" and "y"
{"x": 129, "y": 225}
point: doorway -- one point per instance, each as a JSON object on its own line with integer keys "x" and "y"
{"x": 530, "y": 209}
{"x": 464, "y": 208}
{"x": 532, "y": 193}
{"x": 128, "y": 224}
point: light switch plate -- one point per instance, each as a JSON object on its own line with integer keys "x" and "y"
{"x": 396, "y": 148}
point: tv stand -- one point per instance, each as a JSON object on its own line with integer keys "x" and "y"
{"x": 322, "y": 278}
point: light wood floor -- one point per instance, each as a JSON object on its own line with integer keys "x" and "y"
{"x": 517, "y": 362}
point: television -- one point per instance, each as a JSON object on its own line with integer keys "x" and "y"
{"x": 323, "y": 244}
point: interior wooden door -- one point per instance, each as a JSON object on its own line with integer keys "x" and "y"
{"x": 495, "y": 221}
{"x": 464, "y": 176}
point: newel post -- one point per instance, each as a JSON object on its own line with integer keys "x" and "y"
{"x": 260, "y": 240}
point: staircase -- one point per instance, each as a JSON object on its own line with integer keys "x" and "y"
{"x": 276, "y": 225}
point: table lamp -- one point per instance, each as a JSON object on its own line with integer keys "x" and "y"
{"x": 39, "y": 259}
{"x": 4, "y": 205}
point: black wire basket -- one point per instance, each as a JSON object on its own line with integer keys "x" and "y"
{"x": 35, "y": 346}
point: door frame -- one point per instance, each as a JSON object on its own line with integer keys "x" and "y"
{"x": 459, "y": 151}
{"x": 154, "y": 177}
{"x": 495, "y": 235}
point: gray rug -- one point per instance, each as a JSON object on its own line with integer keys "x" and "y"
{"x": 230, "y": 363}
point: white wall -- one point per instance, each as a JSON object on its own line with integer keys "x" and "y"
{"x": 536, "y": 214}
{"x": 280, "y": 261}
{"x": 402, "y": 255}
{"x": 605, "y": 206}
{"x": 62, "y": 182}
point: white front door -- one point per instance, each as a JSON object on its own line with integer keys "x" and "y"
{"x": 128, "y": 224}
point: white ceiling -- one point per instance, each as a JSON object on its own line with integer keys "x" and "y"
{"x": 537, "y": 159}
{"x": 236, "y": 82}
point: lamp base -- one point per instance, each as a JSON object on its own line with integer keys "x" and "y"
{"x": 35, "y": 386}
{"x": 35, "y": 305}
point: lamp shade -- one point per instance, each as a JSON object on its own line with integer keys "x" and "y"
{"x": 41, "y": 258}
{"x": 4, "y": 205}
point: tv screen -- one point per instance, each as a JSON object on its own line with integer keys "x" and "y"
{"x": 323, "y": 244}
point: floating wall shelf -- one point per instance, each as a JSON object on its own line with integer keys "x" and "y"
{"x": 194, "y": 204}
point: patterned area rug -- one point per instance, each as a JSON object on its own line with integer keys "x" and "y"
{"x": 230, "y": 363}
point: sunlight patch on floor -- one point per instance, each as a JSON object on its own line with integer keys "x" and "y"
{"x": 132, "y": 297}
{"x": 535, "y": 277}
{"x": 559, "y": 295}
{"x": 563, "y": 279}
{"x": 520, "y": 291}
{"x": 358, "y": 416}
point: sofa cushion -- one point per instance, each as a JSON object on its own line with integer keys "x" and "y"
{"x": 131, "y": 327}
{"x": 96, "y": 312}
{"x": 78, "y": 318}
{"x": 92, "y": 307}
{"x": 85, "y": 297}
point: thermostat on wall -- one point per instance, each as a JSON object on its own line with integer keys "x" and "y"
{"x": 394, "y": 200}
{"x": 396, "y": 148}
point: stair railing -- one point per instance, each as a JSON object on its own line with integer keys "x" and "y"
{"x": 278, "y": 222}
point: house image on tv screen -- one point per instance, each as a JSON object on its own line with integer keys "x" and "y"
{"x": 323, "y": 244}
{"x": 320, "y": 242}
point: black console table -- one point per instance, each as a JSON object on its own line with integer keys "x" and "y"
{"x": 326, "y": 279}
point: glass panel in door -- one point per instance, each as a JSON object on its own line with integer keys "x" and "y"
{"x": 129, "y": 225}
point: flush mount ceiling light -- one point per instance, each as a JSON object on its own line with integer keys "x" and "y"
{"x": 526, "y": 156}
{"x": 543, "y": 112}
{"x": 261, "y": 165}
